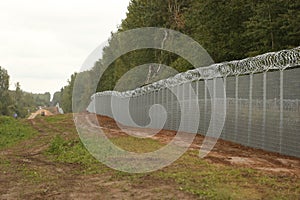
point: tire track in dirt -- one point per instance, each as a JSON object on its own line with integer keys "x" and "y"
{"x": 224, "y": 152}
{"x": 59, "y": 180}
{"x": 28, "y": 155}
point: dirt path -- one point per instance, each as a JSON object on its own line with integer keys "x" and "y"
{"x": 26, "y": 173}
{"x": 224, "y": 152}
{"x": 30, "y": 175}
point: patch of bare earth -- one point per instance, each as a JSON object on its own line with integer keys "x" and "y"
{"x": 29, "y": 174}
{"x": 224, "y": 152}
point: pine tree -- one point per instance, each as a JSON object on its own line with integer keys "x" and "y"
{"x": 290, "y": 24}
{"x": 263, "y": 28}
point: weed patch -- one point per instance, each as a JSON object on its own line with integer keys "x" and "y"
{"x": 12, "y": 131}
{"x": 74, "y": 152}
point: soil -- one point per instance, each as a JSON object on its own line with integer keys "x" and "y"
{"x": 61, "y": 183}
{"x": 224, "y": 152}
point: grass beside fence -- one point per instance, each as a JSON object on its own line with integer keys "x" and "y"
{"x": 189, "y": 174}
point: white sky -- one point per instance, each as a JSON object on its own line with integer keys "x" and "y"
{"x": 43, "y": 42}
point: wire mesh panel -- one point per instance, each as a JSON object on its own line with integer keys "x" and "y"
{"x": 262, "y": 101}
{"x": 207, "y": 103}
{"x": 229, "y": 127}
{"x": 176, "y": 112}
{"x": 257, "y": 132}
{"x": 291, "y": 112}
{"x": 132, "y": 109}
{"x": 241, "y": 114}
{"x": 271, "y": 141}
{"x": 167, "y": 103}
{"x": 201, "y": 103}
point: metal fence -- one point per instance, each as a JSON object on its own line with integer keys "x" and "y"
{"x": 261, "y": 97}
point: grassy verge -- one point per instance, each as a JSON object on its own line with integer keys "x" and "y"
{"x": 189, "y": 174}
{"x": 213, "y": 181}
{"x": 72, "y": 151}
{"x": 13, "y": 131}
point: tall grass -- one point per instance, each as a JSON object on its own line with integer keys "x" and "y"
{"x": 13, "y": 131}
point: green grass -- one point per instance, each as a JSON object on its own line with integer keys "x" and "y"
{"x": 138, "y": 145}
{"x": 13, "y": 131}
{"x": 212, "y": 181}
{"x": 58, "y": 118}
{"x": 5, "y": 165}
{"x": 69, "y": 151}
{"x": 31, "y": 175}
{"x": 189, "y": 174}
{"x": 73, "y": 152}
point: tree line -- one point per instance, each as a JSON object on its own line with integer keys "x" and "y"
{"x": 227, "y": 29}
{"x": 18, "y": 101}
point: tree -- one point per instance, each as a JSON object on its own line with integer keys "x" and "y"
{"x": 5, "y": 99}
{"x": 290, "y": 24}
{"x": 263, "y": 28}
{"x": 18, "y": 93}
{"x": 56, "y": 98}
{"x": 18, "y": 100}
{"x": 218, "y": 26}
{"x": 227, "y": 29}
{"x": 66, "y": 95}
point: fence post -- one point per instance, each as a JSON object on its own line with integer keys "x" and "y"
{"x": 149, "y": 100}
{"x": 145, "y": 108}
{"x": 137, "y": 113}
{"x": 165, "y": 103}
{"x": 162, "y": 103}
{"x": 236, "y": 107}
{"x": 141, "y": 115}
{"x": 281, "y": 111}
{"x": 175, "y": 106}
{"x": 264, "y": 108}
{"x": 250, "y": 108}
{"x": 183, "y": 106}
{"x": 214, "y": 102}
{"x": 154, "y": 99}
{"x": 197, "y": 99}
{"x": 171, "y": 107}
{"x": 225, "y": 102}
{"x": 205, "y": 105}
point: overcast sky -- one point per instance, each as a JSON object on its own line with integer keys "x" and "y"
{"x": 42, "y": 42}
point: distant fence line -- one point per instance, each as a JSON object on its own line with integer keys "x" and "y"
{"x": 262, "y": 101}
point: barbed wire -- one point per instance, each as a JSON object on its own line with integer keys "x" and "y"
{"x": 280, "y": 60}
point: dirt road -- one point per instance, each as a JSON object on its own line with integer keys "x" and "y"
{"x": 27, "y": 173}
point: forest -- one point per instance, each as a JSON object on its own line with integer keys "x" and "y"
{"x": 227, "y": 29}
{"x": 17, "y": 101}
